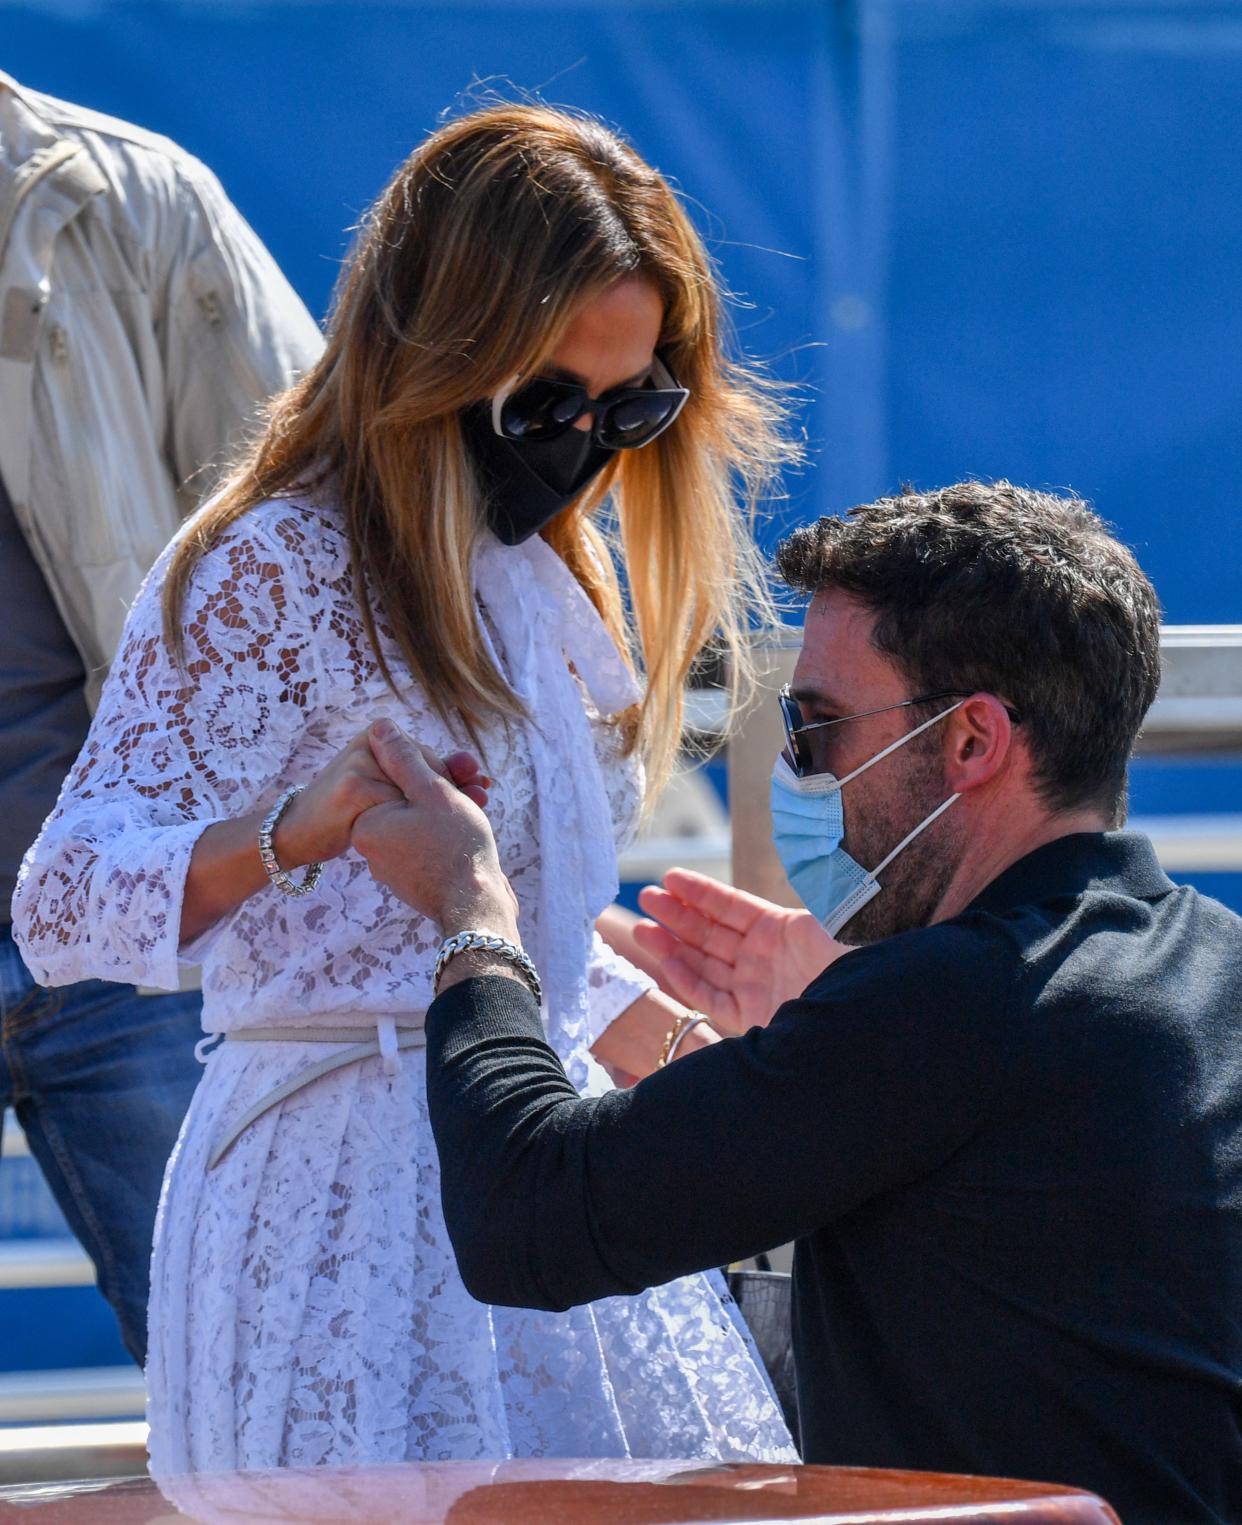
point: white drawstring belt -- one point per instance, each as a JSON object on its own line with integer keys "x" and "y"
{"x": 391, "y": 1038}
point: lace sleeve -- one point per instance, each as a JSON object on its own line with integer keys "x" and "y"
{"x": 170, "y": 751}
{"x": 613, "y": 983}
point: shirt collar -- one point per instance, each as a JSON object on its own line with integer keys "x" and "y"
{"x": 24, "y": 130}
{"x": 1120, "y": 862}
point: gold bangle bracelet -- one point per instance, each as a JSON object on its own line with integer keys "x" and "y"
{"x": 677, "y": 1032}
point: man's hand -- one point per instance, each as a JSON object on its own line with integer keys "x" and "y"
{"x": 728, "y": 953}
{"x": 435, "y": 850}
{"x": 316, "y": 826}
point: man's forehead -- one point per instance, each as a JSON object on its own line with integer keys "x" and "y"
{"x": 838, "y": 663}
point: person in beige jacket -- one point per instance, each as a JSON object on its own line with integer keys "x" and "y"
{"x": 142, "y": 324}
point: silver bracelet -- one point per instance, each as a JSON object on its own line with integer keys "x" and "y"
{"x": 484, "y": 942}
{"x": 267, "y": 852}
{"x": 692, "y": 1022}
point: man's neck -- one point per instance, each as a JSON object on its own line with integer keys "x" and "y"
{"x": 995, "y": 850}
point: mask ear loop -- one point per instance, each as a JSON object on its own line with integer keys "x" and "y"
{"x": 935, "y": 815}
{"x": 906, "y": 840}
{"x": 900, "y": 742}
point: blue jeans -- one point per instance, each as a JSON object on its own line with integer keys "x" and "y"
{"x": 100, "y": 1078}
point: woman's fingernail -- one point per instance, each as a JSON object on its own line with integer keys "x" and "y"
{"x": 383, "y": 730}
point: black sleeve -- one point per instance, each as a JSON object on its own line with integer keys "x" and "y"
{"x": 873, "y": 1077}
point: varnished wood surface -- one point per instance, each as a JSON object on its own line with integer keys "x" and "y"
{"x": 555, "y": 1493}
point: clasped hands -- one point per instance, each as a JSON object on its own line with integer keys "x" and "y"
{"x": 419, "y": 821}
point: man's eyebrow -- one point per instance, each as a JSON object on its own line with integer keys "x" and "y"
{"x": 559, "y": 373}
{"x": 815, "y": 696}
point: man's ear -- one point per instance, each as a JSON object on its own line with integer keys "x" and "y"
{"x": 978, "y": 742}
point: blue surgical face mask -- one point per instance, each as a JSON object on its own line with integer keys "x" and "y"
{"x": 808, "y": 827}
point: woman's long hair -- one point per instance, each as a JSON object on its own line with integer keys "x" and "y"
{"x": 466, "y": 273}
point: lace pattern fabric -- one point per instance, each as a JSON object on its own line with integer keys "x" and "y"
{"x": 306, "y": 1307}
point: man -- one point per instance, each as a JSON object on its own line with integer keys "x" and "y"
{"x": 1005, "y": 1129}
{"x": 141, "y": 323}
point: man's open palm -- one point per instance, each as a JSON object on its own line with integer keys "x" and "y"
{"x": 728, "y": 953}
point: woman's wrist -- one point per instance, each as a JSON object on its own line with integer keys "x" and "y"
{"x": 225, "y": 870}
{"x": 685, "y": 1025}
{"x": 701, "y": 1035}
{"x": 288, "y": 842}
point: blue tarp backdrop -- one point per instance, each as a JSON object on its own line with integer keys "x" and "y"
{"x": 1012, "y": 229}
{"x": 993, "y": 237}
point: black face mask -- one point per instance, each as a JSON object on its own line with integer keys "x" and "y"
{"x": 529, "y": 483}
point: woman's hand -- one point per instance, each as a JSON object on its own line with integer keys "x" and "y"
{"x": 730, "y": 954}
{"x": 225, "y": 867}
{"x": 317, "y": 824}
{"x": 432, "y": 845}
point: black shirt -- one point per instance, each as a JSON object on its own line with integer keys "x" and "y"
{"x": 43, "y": 713}
{"x": 1009, "y": 1147}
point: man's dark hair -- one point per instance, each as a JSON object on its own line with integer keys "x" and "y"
{"x": 1022, "y": 594}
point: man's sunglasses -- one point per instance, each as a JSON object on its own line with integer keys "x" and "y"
{"x": 800, "y": 746}
{"x": 623, "y": 419}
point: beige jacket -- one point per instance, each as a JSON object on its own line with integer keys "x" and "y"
{"x": 141, "y": 323}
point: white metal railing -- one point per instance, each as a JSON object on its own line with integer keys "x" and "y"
{"x": 28, "y": 1263}
{"x": 1197, "y": 712}
{"x": 84, "y": 1393}
{"x": 1187, "y": 844}
{"x": 1199, "y": 707}
{"x": 130, "y": 1433}
{"x": 32, "y": 1456}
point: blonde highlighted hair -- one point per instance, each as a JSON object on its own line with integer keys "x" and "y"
{"x": 466, "y": 272}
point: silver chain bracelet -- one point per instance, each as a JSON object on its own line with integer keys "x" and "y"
{"x": 484, "y": 942}
{"x": 267, "y": 852}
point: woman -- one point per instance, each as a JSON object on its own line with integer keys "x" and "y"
{"x": 412, "y": 537}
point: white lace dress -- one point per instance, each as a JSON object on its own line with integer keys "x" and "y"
{"x": 305, "y": 1307}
